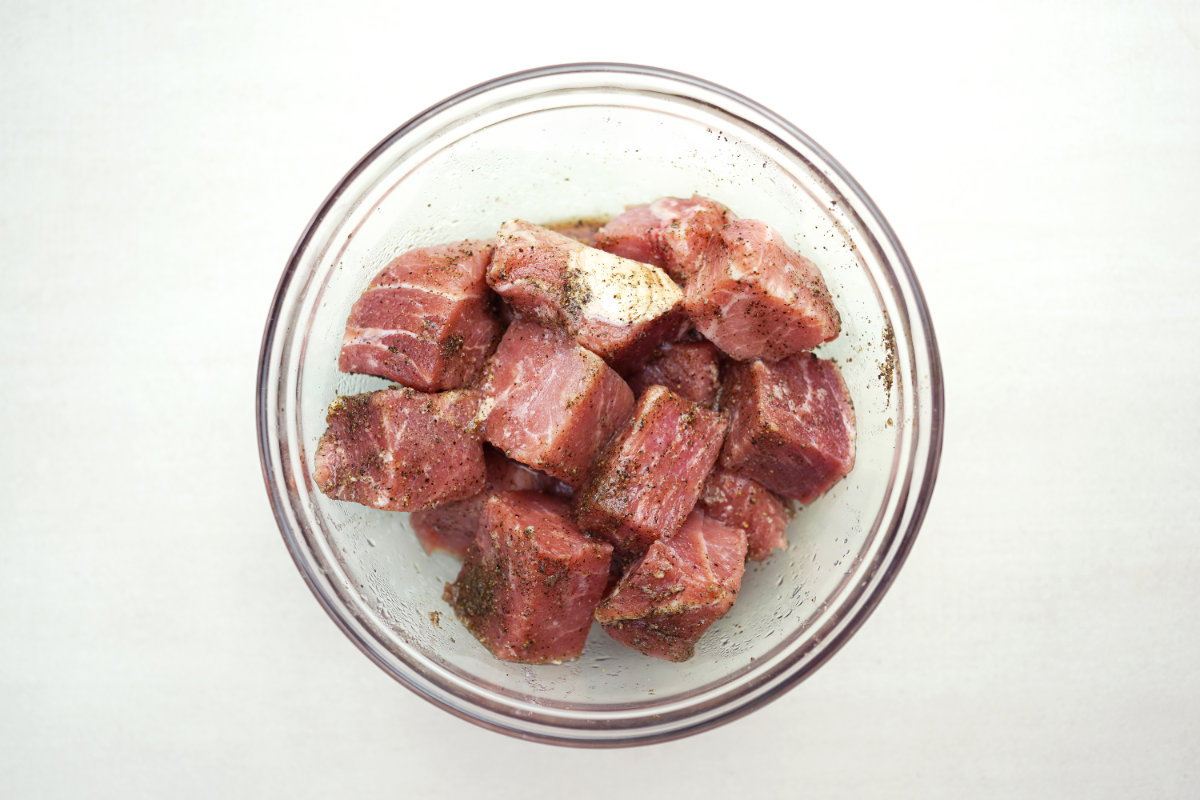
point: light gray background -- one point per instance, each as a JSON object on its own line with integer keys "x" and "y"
{"x": 1039, "y": 160}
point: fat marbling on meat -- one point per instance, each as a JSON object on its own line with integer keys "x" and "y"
{"x": 425, "y": 320}
{"x": 756, "y": 298}
{"x": 531, "y": 581}
{"x": 400, "y": 449}
{"x": 740, "y": 502}
{"x": 682, "y": 585}
{"x": 791, "y": 425}
{"x": 672, "y": 233}
{"x": 618, "y": 308}
{"x": 649, "y": 476}
{"x": 549, "y": 403}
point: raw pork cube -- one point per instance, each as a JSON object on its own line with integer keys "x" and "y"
{"x": 649, "y": 476}
{"x": 531, "y": 581}
{"x": 452, "y": 527}
{"x": 755, "y": 297}
{"x": 691, "y": 369}
{"x": 672, "y": 233}
{"x": 742, "y": 503}
{"x": 401, "y": 449}
{"x": 551, "y": 404}
{"x": 791, "y": 425}
{"x": 425, "y": 321}
{"x": 669, "y": 598}
{"x": 619, "y": 309}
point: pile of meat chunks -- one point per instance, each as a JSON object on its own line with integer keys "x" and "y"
{"x": 602, "y": 428}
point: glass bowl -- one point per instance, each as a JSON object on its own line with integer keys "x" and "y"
{"x": 584, "y": 141}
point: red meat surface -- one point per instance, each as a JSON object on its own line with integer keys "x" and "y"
{"x": 672, "y": 233}
{"x": 690, "y": 369}
{"x": 649, "y": 476}
{"x": 425, "y": 320}
{"x": 401, "y": 449}
{"x": 741, "y": 503}
{"x": 756, "y": 298}
{"x": 618, "y": 308}
{"x": 531, "y": 581}
{"x": 551, "y": 404}
{"x": 673, "y": 594}
{"x": 452, "y": 527}
{"x": 791, "y": 425}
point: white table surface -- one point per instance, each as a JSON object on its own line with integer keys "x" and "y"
{"x": 1040, "y": 161}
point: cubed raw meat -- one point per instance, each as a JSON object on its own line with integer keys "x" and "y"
{"x": 425, "y": 320}
{"x": 649, "y": 476}
{"x": 747, "y": 505}
{"x": 690, "y": 369}
{"x": 673, "y": 594}
{"x": 791, "y": 425}
{"x": 618, "y": 308}
{"x": 531, "y": 581}
{"x": 756, "y": 298}
{"x": 672, "y": 233}
{"x": 401, "y": 449}
{"x": 550, "y": 403}
{"x": 452, "y": 527}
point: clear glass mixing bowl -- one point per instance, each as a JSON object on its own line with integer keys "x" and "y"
{"x": 585, "y": 141}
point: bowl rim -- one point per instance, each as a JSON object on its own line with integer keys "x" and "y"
{"x": 910, "y": 510}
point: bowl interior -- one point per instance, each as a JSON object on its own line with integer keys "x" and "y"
{"x": 548, "y": 152}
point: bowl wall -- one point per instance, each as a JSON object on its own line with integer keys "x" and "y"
{"x": 585, "y": 142}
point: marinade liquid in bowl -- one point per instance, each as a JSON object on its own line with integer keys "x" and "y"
{"x": 585, "y": 141}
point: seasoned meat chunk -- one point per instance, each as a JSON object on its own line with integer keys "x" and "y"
{"x": 791, "y": 425}
{"x": 425, "y": 320}
{"x": 672, "y": 233}
{"x": 756, "y": 298}
{"x": 401, "y": 449}
{"x": 551, "y": 404}
{"x": 618, "y": 308}
{"x": 673, "y": 594}
{"x": 742, "y": 503}
{"x": 452, "y": 527}
{"x": 531, "y": 581}
{"x": 690, "y": 369}
{"x": 649, "y": 476}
